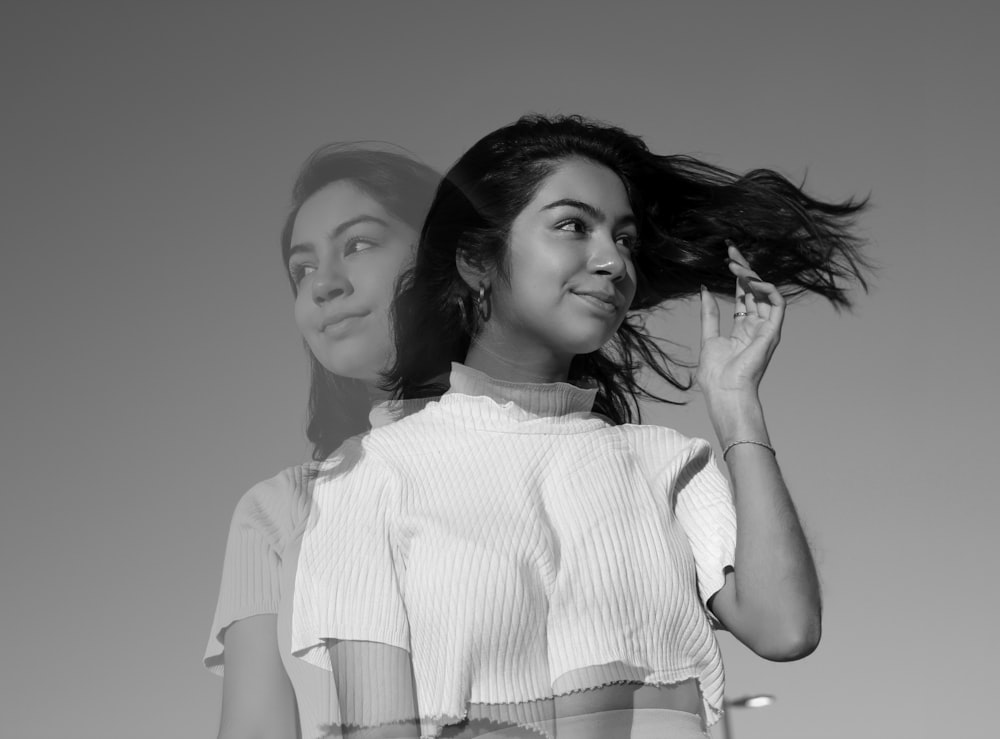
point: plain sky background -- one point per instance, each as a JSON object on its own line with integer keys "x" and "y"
{"x": 152, "y": 371}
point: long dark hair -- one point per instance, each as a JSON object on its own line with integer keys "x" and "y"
{"x": 339, "y": 406}
{"x": 687, "y": 211}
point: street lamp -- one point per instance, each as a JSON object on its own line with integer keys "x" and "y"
{"x": 746, "y": 701}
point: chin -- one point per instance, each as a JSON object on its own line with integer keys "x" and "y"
{"x": 351, "y": 369}
{"x": 578, "y": 350}
{"x": 587, "y": 337}
{"x": 588, "y": 344}
{"x": 361, "y": 371}
{"x": 354, "y": 358}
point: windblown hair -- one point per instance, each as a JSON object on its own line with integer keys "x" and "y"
{"x": 339, "y": 406}
{"x": 686, "y": 211}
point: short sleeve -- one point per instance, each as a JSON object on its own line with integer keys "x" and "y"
{"x": 703, "y": 503}
{"x": 347, "y": 586}
{"x": 251, "y": 570}
{"x": 348, "y": 614}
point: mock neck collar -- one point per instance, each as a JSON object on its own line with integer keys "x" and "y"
{"x": 534, "y": 398}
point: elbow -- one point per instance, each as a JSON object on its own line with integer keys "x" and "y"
{"x": 792, "y": 642}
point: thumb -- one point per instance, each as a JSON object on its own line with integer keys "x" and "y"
{"x": 709, "y": 315}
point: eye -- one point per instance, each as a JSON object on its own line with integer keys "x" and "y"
{"x": 572, "y": 225}
{"x": 300, "y": 271}
{"x": 627, "y": 241}
{"x": 359, "y": 244}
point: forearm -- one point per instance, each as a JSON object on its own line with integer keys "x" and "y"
{"x": 775, "y": 598}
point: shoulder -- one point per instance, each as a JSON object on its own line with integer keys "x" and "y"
{"x": 662, "y": 442}
{"x": 276, "y": 506}
{"x": 410, "y": 435}
{"x": 663, "y": 451}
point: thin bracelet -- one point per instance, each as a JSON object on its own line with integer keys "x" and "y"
{"x": 748, "y": 441}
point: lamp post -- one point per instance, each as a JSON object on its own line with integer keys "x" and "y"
{"x": 746, "y": 701}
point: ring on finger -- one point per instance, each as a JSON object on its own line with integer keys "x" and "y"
{"x": 740, "y": 314}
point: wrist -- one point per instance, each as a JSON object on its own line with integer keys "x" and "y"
{"x": 749, "y": 444}
{"x": 736, "y": 417}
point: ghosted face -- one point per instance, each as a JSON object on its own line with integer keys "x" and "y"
{"x": 569, "y": 263}
{"x": 346, "y": 254}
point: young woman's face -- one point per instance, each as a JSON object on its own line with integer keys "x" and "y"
{"x": 346, "y": 254}
{"x": 571, "y": 277}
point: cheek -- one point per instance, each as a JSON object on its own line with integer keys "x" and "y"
{"x": 378, "y": 284}
{"x": 375, "y": 293}
{"x": 629, "y": 289}
{"x": 300, "y": 311}
{"x": 304, "y": 312}
{"x": 547, "y": 272}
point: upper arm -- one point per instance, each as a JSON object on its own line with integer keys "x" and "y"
{"x": 257, "y": 695}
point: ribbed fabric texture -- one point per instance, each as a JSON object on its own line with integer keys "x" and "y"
{"x": 519, "y": 548}
{"x": 258, "y": 577}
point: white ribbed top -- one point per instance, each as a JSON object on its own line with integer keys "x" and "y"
{"x": 258, "y": 576}
{"x": 518, "y": 548}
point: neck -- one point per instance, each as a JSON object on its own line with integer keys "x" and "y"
{"x": 507, "y": 360}
{"x": 376, "y": 394}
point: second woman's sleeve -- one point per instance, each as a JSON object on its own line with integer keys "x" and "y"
{"x": 251, "y": 570}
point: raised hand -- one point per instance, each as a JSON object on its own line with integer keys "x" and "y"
{"x": 770, "y": 600}
{"x": 734, "y": 365}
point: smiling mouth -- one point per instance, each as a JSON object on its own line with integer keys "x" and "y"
{"x": 600, "y": 303}
{"x": 341, "y": 325}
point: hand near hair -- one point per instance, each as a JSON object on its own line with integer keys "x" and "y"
{"x": 734, "y": 365}
{"x": 770, "y": 600}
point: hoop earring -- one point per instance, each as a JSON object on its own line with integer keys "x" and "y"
{"x": 483, "y": 302}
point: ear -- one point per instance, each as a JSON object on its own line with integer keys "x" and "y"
{"x": 472, "y": 274}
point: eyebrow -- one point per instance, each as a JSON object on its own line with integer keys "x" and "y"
{"x": 338, "y": 231}
{"x": 355, "y": 221}
{"x": 596, "y": 213}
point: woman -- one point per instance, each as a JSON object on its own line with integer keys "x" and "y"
{"x": 353, "y": 224}
{"x": 550, "y": 566}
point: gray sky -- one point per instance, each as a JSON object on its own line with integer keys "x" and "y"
{"x": 152, "y": 371}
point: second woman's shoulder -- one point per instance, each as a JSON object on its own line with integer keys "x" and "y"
{"x": 276, "y": 506}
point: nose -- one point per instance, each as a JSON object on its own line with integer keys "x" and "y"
{"x": 607, "y": 260}
{"x": 329, "y": 284}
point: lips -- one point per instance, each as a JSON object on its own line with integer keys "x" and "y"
{"x": 606, "y": 301}
{"x": 339, "y": 321}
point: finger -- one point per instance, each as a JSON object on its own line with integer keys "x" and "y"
{"x": 737, "y": 259}
{"x": 742, "y": 271}
{"x": 740, "y": 297}
{"x": 750, "y": 301}
{"x": 735, "y": 254}
{"x": 771, "y": 301}
{"x": 761, "y": 297}
{"x": 709, "y": 315}
{"x": 747, "y": 299}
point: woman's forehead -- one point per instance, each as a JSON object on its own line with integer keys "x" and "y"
{"x": 339, "y": 203}
{"x": 587, "y": 182}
